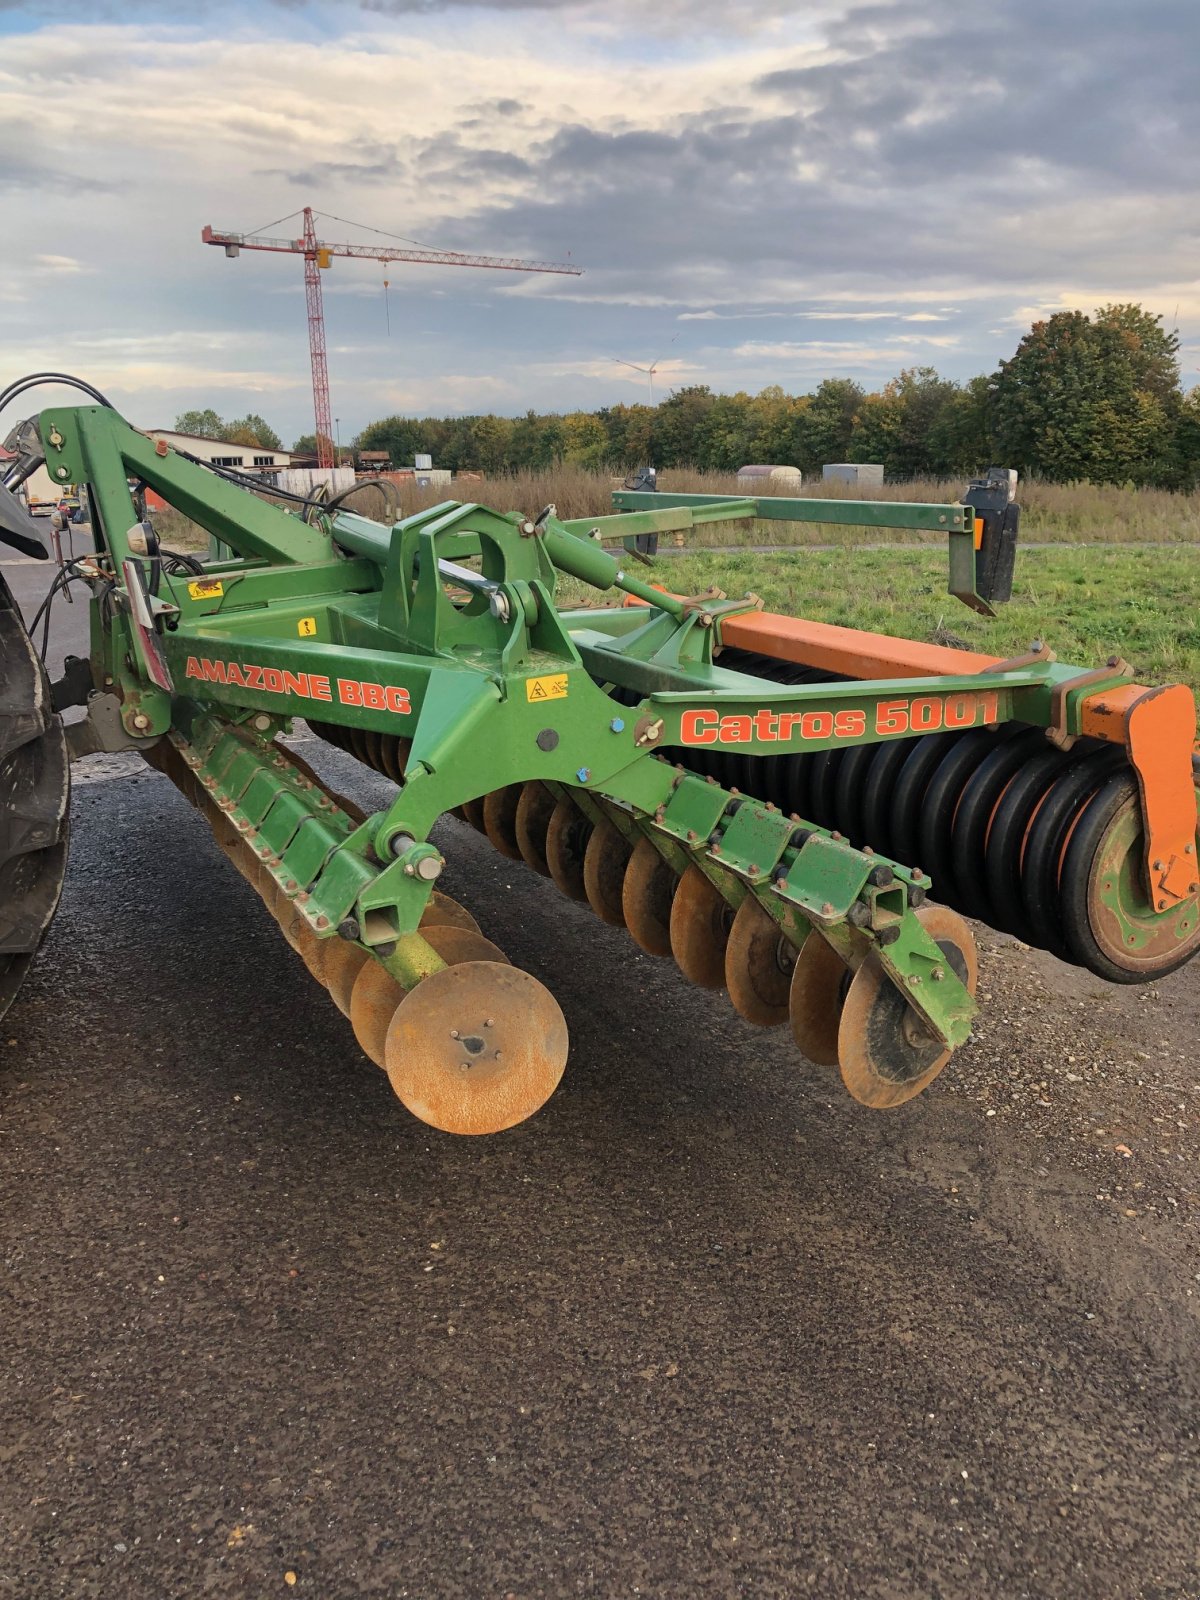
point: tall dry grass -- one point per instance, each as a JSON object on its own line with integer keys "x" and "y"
{"x": 1051, "y": 513}
{"x": 1081, "y": 513}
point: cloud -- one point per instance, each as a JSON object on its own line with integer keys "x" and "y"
{"x": 867, "y": 170}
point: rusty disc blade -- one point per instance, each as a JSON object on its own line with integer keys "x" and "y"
{"x": 376, "y": 994}
{"x": 819, "y": 981}
{"x": 305, "y": 943}
{"x": 700, "y": 923}
{"x": 886, "y": 1053}
{"x": 472, "y": 810}
{"x": 758, "y": 966}
{"x": 443, "y": 912}
{"x": 646, "y": 896}
{"x": 374, "y": 998}
{"x": 534, "y": 810}
{"x": 476, "y": 1048}
{"x": 343, "y": 963}
{"x": 566, "y": 842}
{"x": 456, "y": 944}
{"x": 500, "y": 819}
{"x": 604, "y": 862}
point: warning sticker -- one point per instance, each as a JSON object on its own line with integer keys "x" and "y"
{"x": 206, "y": 588}
{"x": 306, "y": 627}
{"x": 551, "y": 688}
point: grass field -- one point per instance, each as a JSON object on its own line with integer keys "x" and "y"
{"x": 1143, "y": 604}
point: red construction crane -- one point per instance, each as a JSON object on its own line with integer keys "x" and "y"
{"x": 318, "y": 254}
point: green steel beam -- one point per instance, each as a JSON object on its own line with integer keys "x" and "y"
{"x": 911, "y": 515}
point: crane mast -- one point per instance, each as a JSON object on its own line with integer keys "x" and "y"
{"x": 318, "y": 255}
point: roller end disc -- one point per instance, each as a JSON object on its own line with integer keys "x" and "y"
{"x": 476, "y": 1048}
{"x": 1108, "y": 913}
{"x": 566, "y": 844}
{"x": 886, "y": 1054}
{"x": 500, "y": 819}
{"x": 534, "y": 810}
{"x": 646, "y": 895}
{"x": 818, "y": 989}
{"x": 759, "y": 959}
{"x": 700, "y": 923}
{"x": 604, "y": 863}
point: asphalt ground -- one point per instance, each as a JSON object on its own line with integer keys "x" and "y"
{"x": 701, "y": 1327}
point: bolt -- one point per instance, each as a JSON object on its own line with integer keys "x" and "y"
{"x": 1162, "y": 905}
{"x": 290, "y": 885}
{"x": 489, "y": 1022}
{"x": 410, "y": 871}
{"x": 617, "y": 725}
{"x": 1158, "y": 866}
{"x": 140, "y": 721}
{"x": 753, "y": 869}
{"x": 938, "y": 974}
{"x": 691, "y": 833}
{"x": 917, "y": 873}
{"x": 348, "y": 928}
{"x": 262, "y": 722}
{"x": 827, "y": 909}
{"x": 1189, "y": 849}
{"x": 1193, "y": 887}
{"x": 835, "y": 835}
{"x": 454, "y": 1033}
{"x": 914, "y": 982}
{"x": 322, "y": 922}
{"x": 583, "y": 774}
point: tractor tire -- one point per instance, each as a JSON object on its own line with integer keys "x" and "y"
{"x": 35, "y": 788}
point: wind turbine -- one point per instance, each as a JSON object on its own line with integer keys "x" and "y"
{"x": 649, "y": 371}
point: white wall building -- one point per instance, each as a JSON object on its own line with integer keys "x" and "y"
{"x": 250, "y": 458}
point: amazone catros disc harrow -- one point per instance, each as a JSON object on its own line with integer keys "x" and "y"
{"x": 744, "y": 793}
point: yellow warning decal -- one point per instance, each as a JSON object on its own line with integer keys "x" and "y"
{"x": 551, "y": 688}
{"x": 306, "y": 627}
{"x": 206, "y": 588}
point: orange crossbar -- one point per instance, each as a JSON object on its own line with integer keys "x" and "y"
{"x": 846, "y": 650}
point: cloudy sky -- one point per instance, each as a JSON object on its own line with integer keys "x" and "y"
{"x": 760, "y": 191}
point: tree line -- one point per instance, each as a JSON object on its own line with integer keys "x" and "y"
{"x": 1083, "y": 397}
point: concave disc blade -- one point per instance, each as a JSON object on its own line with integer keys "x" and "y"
{"x": 534, "y": 810}
{"x": 476, "y": 1048}
{"x": 472, "y": 810}
{"x": 700, "y": 923}
{"x": 443, "y": 912}
{"x": 758, "y": 966}
{"x": 604, "y": 863}
{"x": 500, "y": 819}
{"x": 819, "y": 981}
{"x": 566, "y": 842}
{"x": 646, "y": 895}
{"x": 886, "y": 1054}
{"x": 376, "y": 994}
{"x": 373, "y": 1000}
{"x": 343, "y": 962}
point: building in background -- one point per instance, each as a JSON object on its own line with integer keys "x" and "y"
{"x": 866, "y": 474}
{"x": 249, "y": 458}
{"x": 792, "y": 476}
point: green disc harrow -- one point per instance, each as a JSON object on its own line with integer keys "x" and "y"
{"x": 801, "y": 814}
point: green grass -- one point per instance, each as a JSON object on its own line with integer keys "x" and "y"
{"x": 1140, "y": 603}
